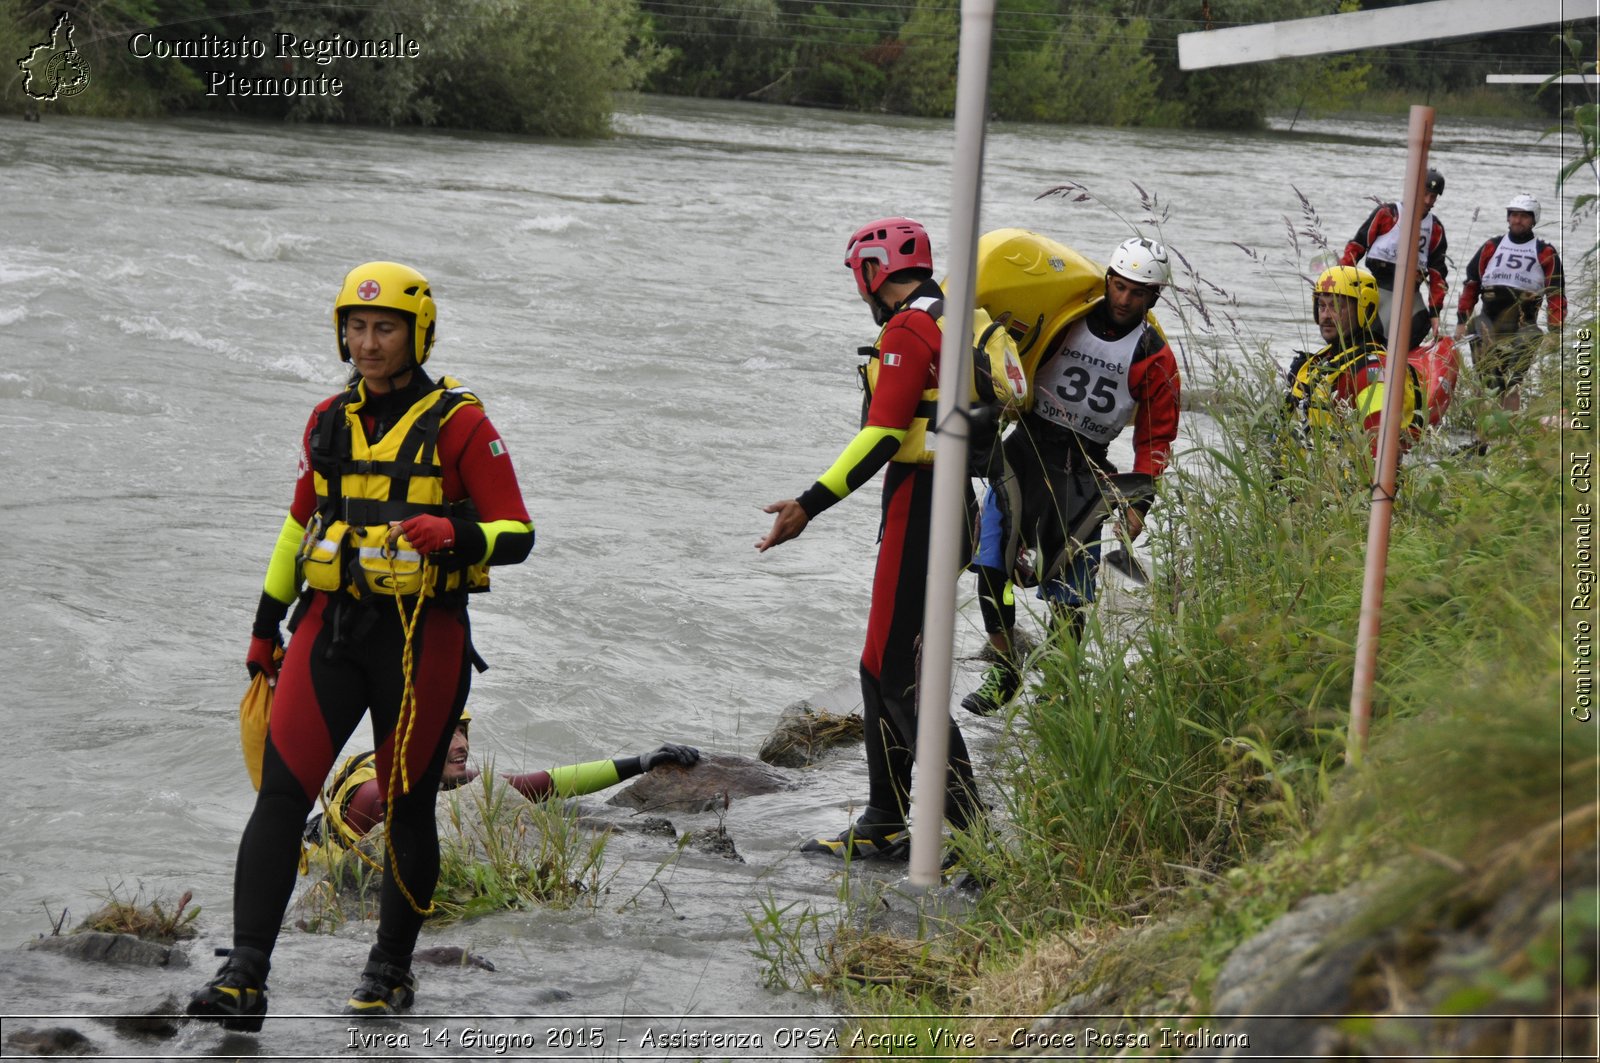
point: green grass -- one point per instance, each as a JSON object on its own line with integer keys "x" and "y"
{"x": 152, "y": 920}
{"x": 501, "y": 851}
{"x": 1496, "y": 101}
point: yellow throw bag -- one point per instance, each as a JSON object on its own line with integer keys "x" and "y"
{"x": 255, "y": 712}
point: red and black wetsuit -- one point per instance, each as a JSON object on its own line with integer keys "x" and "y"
{"x": 345, "y": 660}
{"x": 908, "y": 353}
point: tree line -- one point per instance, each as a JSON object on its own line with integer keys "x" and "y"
{"x": 1108, "y": 62}
{"x": 553, "y": 67}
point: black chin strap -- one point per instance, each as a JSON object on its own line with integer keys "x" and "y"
{"x": 881, "y": 311}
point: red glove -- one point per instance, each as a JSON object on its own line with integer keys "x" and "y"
{"x": 429, "y": 534}
{"x": 263, "y": 657}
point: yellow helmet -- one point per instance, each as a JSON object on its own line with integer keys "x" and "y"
{"x": 388, "y": 286}
{"x": 1358, "y": 284}
{"x": 466, "y": 720}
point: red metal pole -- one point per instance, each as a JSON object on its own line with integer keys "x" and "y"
{"x": 1395, "y": 382}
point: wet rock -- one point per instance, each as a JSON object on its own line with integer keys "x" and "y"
{"x": 802, "y": 733}
{"x": 151, "y": 1017}
{"x": 451, "y": 956}
{"x": 1282, "y": 952}
{"x": 100, "y": 947}
{"x": 717, "y": 779}
{"x": 54, "y": 1041}
{"x": 713, "y": 841}
{"x": 658, "y": 825}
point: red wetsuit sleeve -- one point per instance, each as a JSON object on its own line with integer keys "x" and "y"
{"x": 534, "y": 785}
{"x": 1555, "y": 283}
{"x": 909, "y": 356}
{"x": 305, "y": 485}
{"x": 1380, "y": 221}
{"x": 1438, "y": 268}
{"x": 908, "y": 364}
{"x": 1153, "y": 381}
{"x": 478, "y": 466}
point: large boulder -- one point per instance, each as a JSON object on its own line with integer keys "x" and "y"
{"x": 715, "y": 780}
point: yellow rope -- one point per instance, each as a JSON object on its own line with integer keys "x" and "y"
{"x": 404, "y": 724}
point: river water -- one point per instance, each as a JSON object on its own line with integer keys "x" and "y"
{"x": 661, "y": 328}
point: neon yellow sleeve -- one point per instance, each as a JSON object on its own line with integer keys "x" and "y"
{"x": 283, "y": 577}
{"x": 513, "y": 538}
{"x": 577, "y": 779}
{"x": 861, "y": 459}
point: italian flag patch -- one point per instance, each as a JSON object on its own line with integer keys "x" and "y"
{"x": 496, "y": 449}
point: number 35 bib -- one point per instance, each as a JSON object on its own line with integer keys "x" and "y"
{"x": 1084, "y": 385}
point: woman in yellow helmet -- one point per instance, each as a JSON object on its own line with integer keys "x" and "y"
{"x": 405, "y": 497}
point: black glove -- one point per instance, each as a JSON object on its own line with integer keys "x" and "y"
{"x": 669, "y": 754}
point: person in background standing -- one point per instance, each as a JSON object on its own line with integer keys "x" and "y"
{"x": 1378, "y": 241}
{"x": 1512, "y": 274}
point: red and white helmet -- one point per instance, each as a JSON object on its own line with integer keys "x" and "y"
{"x": 894, "y": 243}
{"x": 1526, "y": 204}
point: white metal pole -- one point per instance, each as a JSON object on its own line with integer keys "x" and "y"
{"x": 950, "y": 467}
{"x": 1396, "y": 381}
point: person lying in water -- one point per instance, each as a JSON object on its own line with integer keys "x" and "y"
{"x": 353, "y": 798}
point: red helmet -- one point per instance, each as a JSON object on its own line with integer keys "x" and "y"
{"x": 894, "y": 243}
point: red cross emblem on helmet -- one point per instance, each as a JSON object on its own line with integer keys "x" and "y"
{"x": 368, "y": 290}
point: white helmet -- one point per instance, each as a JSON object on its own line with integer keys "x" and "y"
{"x": 1141, "y": 260}
{"x": 1526, "y": 204}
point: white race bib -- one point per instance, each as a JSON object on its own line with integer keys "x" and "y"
{"x": 1084, "y": 385}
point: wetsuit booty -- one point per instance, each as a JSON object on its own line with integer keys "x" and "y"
{"x": 876, "y": 835}
{"x": 237, "y": 996}
{"x": 384, "y": 990}
{"x": 1000, "y": 685}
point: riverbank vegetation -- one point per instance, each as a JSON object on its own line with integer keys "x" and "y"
{"x": 1088, "y": 61}
{"x": 553, "y": 67}
{"x": 1180, "y": 801}
{"x": 1178, "y": 783}
{"x": 543, "y": 67}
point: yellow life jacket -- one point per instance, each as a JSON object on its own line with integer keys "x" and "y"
{"x": 330, "y": 826}
{"x": 362, "y": 486}
{"x": 1312, "y": 390}
{"x": 998, "y": 380}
